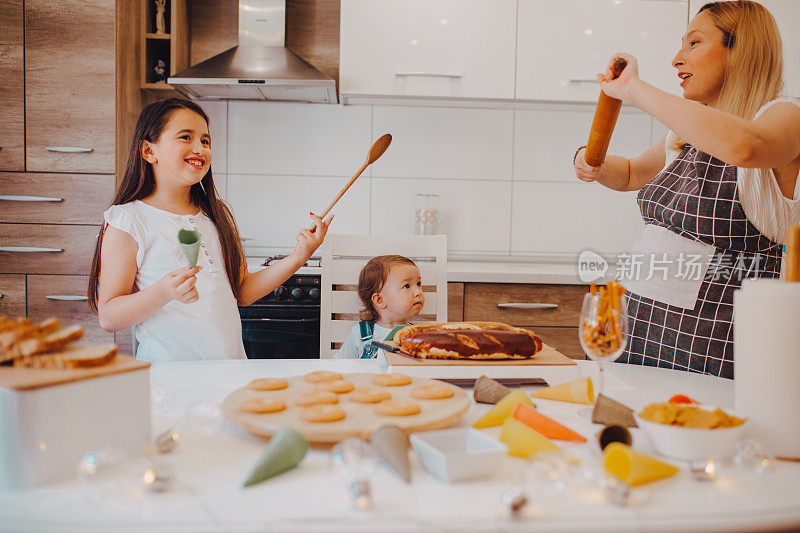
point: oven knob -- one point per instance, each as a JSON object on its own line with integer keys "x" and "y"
{"x": 297, "y": 293}
{"x": 282, "y": 293}
{"x": 313, "y": 293}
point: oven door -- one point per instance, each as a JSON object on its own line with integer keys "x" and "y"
{"x": 281, "y": 338}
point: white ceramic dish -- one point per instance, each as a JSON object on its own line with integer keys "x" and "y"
{"x": 458, "y": 453}
{"x": 691, "y": 444}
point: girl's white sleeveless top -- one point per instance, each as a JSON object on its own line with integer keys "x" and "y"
{"x": 209, "y": 328}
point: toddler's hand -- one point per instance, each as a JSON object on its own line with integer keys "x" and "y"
{"x": 309, "y": 240}
{"x": 583, "y": 171}
{"x": 180, "y": 285}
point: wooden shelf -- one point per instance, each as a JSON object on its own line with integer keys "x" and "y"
{"x": 162, "y": 36}
{"x": 157, "y": 86}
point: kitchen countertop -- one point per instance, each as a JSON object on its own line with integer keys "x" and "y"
{"x": 213, "y": 457}
{"x": 492, "y": 271}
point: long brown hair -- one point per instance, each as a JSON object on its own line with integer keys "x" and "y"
{"x": 754, "y": 73}
{"x": 139, "y": 182}
{"x": 371, "y": 280}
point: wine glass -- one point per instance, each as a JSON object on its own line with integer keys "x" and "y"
{"x": 603, "y": 331}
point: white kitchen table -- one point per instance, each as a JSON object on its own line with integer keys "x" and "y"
{"x": 214, "y": 457}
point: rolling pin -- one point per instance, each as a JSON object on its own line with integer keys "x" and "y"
{"x": 793, "y": 254}
{"x": 605, "y": 117}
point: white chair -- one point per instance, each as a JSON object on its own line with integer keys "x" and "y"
{"x": 343, "y": 257}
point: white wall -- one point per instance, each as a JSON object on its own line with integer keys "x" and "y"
{"x": 504, "y": 176}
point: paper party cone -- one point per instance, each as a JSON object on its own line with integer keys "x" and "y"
{"x": 523, "y": 441}
{"x": 285, "y": 451}
{"x": 578, "y": 391}
{"x": 487, "y": 390}
{"x": 544, "y": 425}
{"x": 502, "y": 410}
{"x": 391, "y": 445}
{"x": 615, "y": 433}
{"x": 190, "y": 244}
{"x": 612, "y": 413}
{"x": 635, "y": 468}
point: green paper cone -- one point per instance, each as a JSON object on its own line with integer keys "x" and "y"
{"x": 285, "y": 451}
{"x": 190, "y": 244}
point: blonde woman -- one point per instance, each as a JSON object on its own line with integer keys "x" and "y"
{"x": 717, "y": 193}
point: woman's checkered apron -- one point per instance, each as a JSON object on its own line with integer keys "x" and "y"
{"x": 697, "y": 197}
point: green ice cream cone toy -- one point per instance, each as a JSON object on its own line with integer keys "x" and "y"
{"x": 285, "y": 451}
{"x": 190, "y": 244}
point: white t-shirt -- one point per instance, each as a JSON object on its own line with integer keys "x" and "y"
{"x": 763, "y": 202}
{"x": 353, "y": 346}
{"x": 209, "y": 328}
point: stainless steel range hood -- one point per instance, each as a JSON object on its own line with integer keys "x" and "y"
{"x": 260, "y": 67}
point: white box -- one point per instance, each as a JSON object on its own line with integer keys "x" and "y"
{"x": 44, "y": 432}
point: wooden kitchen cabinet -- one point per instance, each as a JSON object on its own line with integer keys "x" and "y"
{"x": 12, "y": 90}
{"x": 455, "y": 302}
{"x": 549, "y": 69}
{"x": 69, "y": 86}
{"x": 552, "y": 311}
{"x": 46, "y": 249}
{"x": 64, "y": 297}
{"x": 447, "y": 48}
{"x": 12, "y": 295}
{"x": 49, "y": 198}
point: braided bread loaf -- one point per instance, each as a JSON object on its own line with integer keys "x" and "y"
{"x": 468, "y": 340}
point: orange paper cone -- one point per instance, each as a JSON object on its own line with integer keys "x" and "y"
{"x": 502, "y": 409}
{"x": 578, "y": 391}
{"x": 635, "y": 468}
{"x": 544, "y": 425}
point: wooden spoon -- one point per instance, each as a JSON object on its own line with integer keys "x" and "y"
{"x": 377, "y": 150}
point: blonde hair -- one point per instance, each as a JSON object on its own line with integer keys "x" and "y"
{"x": 371, "y": 280}
{"x": 754, "y": 71}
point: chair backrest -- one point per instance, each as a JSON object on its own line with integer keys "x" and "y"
{"x": 343, "y": 257}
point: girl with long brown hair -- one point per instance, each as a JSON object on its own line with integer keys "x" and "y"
{"x": 139, "y": 275}
{"x": 717, "y": 193}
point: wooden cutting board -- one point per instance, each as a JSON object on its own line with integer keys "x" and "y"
{"x": 546, "y": 356}
{"x": 20, "y": 379}
{"x": 360, "y": 420}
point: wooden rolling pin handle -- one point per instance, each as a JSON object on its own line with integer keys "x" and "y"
{"x": 605, "y": 118}
{"x": 793, "y": 254}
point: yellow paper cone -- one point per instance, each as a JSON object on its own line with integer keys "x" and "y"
{"x": 578, "y": 391}
{"x": 635, "y": 468}
{"x": 523, "y": 441}
{"x": 503, "y": 409}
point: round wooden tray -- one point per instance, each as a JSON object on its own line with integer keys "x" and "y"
{"x": 360, "y": 420}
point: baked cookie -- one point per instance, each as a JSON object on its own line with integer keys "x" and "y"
{"x": 316, "y": 397}
{"x": 392, "y": 379}
{"x": 432, "y": 392}
{"x": 397, "y": 408}
{"x": 369, "y": 395}
{"x": 262, "y": 405}
{"x": 340, "y": 386}
{"x": 322, "y": 413}
{"x": 268, "y": 384}
{"x": 321, "y": 376}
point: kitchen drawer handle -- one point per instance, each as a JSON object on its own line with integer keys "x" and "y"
{"x": 29, "y": 249}
{"x": 69, "y": 149}
{"x": 527, "y": 305}
{"x": 427, "y": 75}
{"x": 583, "y": 80}
{"x": 17, "y": 198}
{"x": 67, "y": 297}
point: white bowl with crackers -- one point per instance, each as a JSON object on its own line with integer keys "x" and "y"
{"x": 458, "y": 454}
{"x": 693, "y": 443}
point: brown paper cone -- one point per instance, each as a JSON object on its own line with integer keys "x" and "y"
{"x": 615, "y": 433}
{"x": 610, "y": 413}
{"x": 487, "y": 390}
{"x": 391, "y": 445}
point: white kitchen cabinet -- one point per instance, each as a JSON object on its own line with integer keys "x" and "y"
{"x": 428, "y": 48}
{"x": 563, "y": 44}
{"x": 786, "y": 13}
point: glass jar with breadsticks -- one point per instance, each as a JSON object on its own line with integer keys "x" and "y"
{"x": 603, "y": 327}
